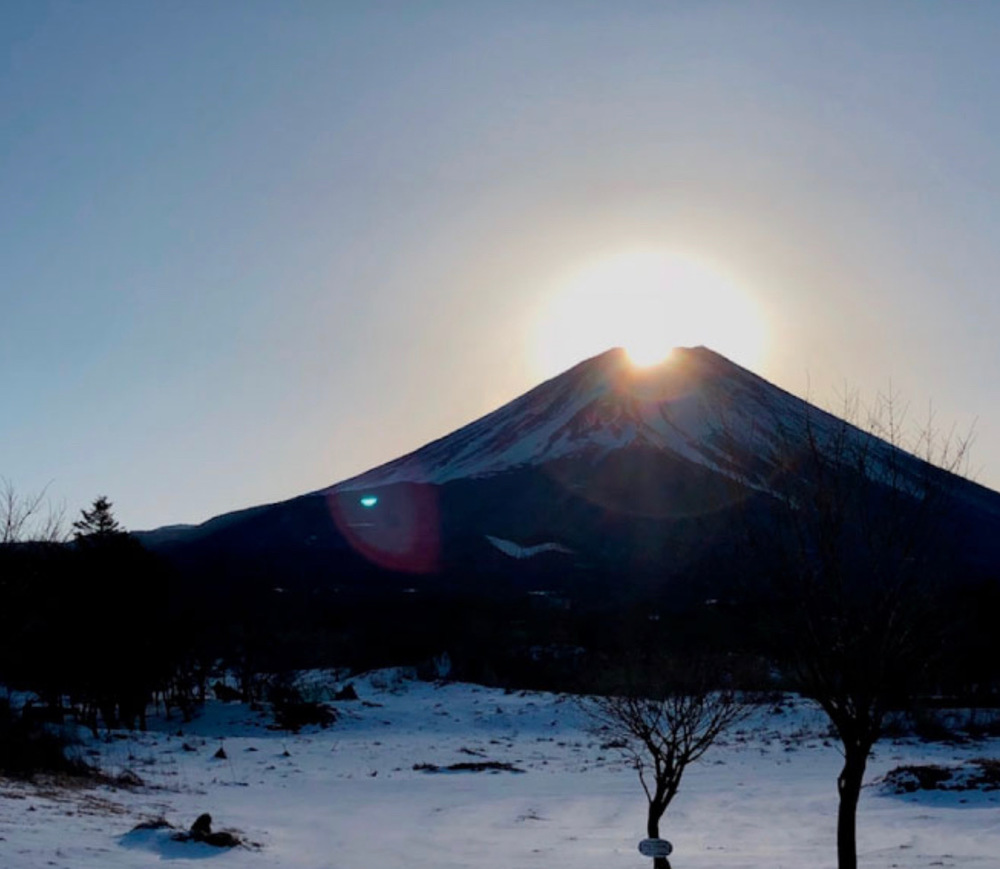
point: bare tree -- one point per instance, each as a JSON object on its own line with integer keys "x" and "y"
{"x": 26, "y": 518}
{"x": 31, "y": 529}
{"x": 850, "y": 529}
{"x": 665, "y": 727}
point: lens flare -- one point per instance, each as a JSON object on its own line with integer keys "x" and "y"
{"x": 402, "y": 534}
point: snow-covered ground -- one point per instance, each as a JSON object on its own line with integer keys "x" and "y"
{"x": 349, "y": 797}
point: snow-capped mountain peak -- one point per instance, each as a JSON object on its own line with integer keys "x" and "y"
{"x": 601, "y": 405}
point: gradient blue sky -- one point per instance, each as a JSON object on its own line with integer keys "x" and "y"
{"x": 248, "y": 249}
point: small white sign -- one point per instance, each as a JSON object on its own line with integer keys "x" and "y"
{"x": 655, "y": 848}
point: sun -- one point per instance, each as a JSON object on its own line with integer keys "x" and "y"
{"x": 647, "y": 302}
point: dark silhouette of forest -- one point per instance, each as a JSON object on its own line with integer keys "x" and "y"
{"x": 100, "y": 630}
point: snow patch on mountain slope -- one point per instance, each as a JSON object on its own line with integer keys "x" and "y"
{"x": 514, "y": 550}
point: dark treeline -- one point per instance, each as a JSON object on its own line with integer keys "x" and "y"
{"x": 91, "y": 625}
{"x": 100, "y": 628}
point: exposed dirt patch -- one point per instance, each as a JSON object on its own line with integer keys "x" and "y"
{"x": 469, "y": 766}
{"x": 980, "y": 774}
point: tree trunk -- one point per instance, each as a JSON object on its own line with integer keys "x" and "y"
{"x": 653, "y": 832}
{"x": 849, "y": 788}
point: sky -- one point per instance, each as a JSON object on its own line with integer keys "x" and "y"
{"x": 250, "y": 249}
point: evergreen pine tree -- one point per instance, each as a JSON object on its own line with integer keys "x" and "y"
{"x": 99, "y": 521}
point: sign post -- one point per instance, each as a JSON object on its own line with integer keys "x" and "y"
{"x": 655, "y": 848}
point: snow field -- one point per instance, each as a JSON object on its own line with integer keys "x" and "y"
{"x": 348, "y": 797}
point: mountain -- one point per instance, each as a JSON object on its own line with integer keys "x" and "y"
{"x": 606, "y": 476}
{"x": 691, "y": 407}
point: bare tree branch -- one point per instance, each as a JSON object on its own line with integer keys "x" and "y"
{"x": 29, "y": 518}
{"x": 662, "y": 728}
{"x": 849, "y": 530}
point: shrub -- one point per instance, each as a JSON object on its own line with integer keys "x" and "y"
{"x": 28, "y": 746}
{"x": 908, "y": 779}
{"x": 292, "y": 712}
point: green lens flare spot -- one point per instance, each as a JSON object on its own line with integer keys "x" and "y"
{"x": 369, "y": 501}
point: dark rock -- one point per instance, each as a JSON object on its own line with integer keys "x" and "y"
{"x": 221, "y": 840}
{"x": 202, "y": 826}
{"x": 153, "y": 824}
{"x": 128, "y": 779}
{"x": 348, "y": 692}
{"x": 201, "y": 831}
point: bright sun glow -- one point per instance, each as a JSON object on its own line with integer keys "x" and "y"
{"x": 648, "y": 303}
